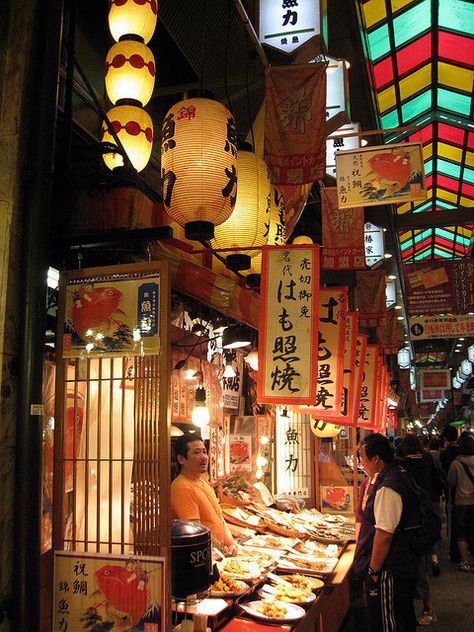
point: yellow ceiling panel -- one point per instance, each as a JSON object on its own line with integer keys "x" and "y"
{"x": 374, "y": 11}
{"x": 449, "y": 152}
{"x": 427, "y": 151}
{"x": 447, "y": 196}
{"x": 429, "y": 194}
{"x": 468, "y": 202}
{"x": 455, "y": 77}
{"x": 399, "y": 4}
{"x": 415, "y": 82}
{"x": 470, "y": 158}
{"x": 404, "y": 208}
{"x": 386, "y": 99}
{"x": 405, "y": 237}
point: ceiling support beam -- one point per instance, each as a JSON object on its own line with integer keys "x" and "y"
{"x": 415, "y": 221}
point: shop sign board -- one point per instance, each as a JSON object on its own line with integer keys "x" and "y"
{"x": 435, "y": 378}
{"x": 431, "y": 394}
{"x": 336, "y": 86}
{"x": 232, "y": 386}
{"x": 338, "y": 499}
{"x": 439, "y": 287}
{"x": 240, "y": 448}
{"x": 112, "y": 315}
{"x": 288, "y": 325}
{"x": 109, "y": 590}
{"x": 338, "y": 141}
{"x": 331, "y": 341}
{"x": 386, "y": 174}
{"x": 374, "y": 244}
{"x": 346, "y": 417}
{"x": 361, "y": 349}
{"x": 293, "y": 468}
{"x": 366, "y": 417}
{"x": 288, "y": 25}
{"x": 452, "y": 326}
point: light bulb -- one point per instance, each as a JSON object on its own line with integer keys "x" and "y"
{"x": 252, "y": 360}
{"x": 229, "y": 371}
{"x": 200, "y": 415}
{"x": 261, "y": 461}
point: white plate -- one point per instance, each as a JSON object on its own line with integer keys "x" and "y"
{"x": 247, "y": 572}
{"x": 291, "y": 564}
{"x": 264, "y": 593}
{"x": 293, "y": 612}
{"x": 242, "y": 588}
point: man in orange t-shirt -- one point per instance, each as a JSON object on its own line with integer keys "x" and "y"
{"x": 192, "y": 498}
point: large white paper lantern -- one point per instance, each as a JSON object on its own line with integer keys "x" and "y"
{"x": 199, "y": 165}
{"x": 129, "y": 17}
{"x": 246, "y": 226}
{"x": 134, "y": 129}
{"x": 129, "y": 73}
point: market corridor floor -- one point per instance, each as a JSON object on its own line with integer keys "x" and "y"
{"x": 453, "y": 600}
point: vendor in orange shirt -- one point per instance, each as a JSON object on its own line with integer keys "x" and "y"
{"x": 192, "y": 498}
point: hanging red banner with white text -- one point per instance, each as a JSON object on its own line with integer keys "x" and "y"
{"x": 366, "y": 419}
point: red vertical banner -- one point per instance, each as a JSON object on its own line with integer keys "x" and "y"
{"x": 370, "y": 298}
{"x": 295, "y": 123}
{"x": 343, "y": 234}
{"x": 331, "y": 336}
{"x": 368, "y": 390}
{"x": 288, "y": 325}
{"x": 361, "y": 348}
{"x": 348, "y": 388}
{"x": 387, "y": 335}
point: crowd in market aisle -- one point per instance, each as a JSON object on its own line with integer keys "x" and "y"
{"x": 406, "y": 575}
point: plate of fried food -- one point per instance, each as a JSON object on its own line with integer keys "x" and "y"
{"x": 288, "y": 594}
{"x": 272, "y": 610}
{"x": 308, "y": 564}
{"x": 303, "y": 581}
{"x": 239, "y": 569}
{"x": 227, "y": 586}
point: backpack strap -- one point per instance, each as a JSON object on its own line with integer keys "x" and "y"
{"x": 468, "y": 472}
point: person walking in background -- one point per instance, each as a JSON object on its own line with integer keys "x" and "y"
{"x": 447, "y": 455}
{"x": 384, "y": 553}
{"x": 420, "y": 465}
{"x": 461, "y": 482}
{"x": 434, "y": 449}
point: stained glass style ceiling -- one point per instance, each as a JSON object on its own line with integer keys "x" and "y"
{"x": 430, "y": 358}
{"x": 421, "y": 63}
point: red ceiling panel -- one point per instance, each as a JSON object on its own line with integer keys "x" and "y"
{"x": 414, "y": 54}
{"x": 453, "y": 135}
{"x": 383, "y": 73}
{"x": 447, "y": 183}
{"x": 425, "y": 135}
{"x": 468, "y": 190}
{"x": 456, "y": 48}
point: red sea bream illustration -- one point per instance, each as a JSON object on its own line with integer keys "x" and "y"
{"x": 391, "y": 170}
{"x": 123, "y": 592}
{"x": 93, "y": 311}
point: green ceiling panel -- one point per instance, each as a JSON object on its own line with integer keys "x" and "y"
{"x": 390, "y": 120}
{"x": 449, "y": 168}
{"x": 445, "y": 205}
{"x": 412, "y": 23}
{"x": 428, "y": 167}
{"x": 413, "y": 108}
{"x": 456, "y": 15}
{"x": 379, "y": 42}
{"x": 449, "y": 100}
{"x": 423, "y": 207}
{"x": 468, "y": 176}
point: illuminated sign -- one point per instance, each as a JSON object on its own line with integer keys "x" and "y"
{"x": 288, "y": 25}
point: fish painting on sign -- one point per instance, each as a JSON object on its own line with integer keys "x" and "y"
{"x": 111, "y": 317}
{"x": 380, "y": 175}
{"x": 113, "y": 593}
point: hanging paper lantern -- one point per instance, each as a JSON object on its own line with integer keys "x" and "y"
{"x": 404, "y": 358}
{"x": 132, "y": 17}
{"x": 246, "y": 226}
{"x": 199, "y": 165}
{"x": 134, "y": 128}
{"x": 129, "y": 73}
{"x": 302, "y": 239}
{"x": 323, "y": 429}
{"x": 274, "y": 230}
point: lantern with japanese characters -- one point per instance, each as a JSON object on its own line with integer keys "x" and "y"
{"x": 128, "y": 17}
{"x": 199, "y": 165}
{"x": 134, "y": 129}
{"x": 246, "y": 226}
{"x": 129, "y": 73}
{"x": 275, "y": 233}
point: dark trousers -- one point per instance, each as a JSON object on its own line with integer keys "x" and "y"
{"x": 390, "y": 606}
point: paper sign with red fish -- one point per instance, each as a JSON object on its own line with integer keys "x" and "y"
{"x": 386, "y": 174}
{"x": 125, "y": 594}
{"x": 110, "y": 317}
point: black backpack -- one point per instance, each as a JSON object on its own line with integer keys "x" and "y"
{"x": 425, "y": 529}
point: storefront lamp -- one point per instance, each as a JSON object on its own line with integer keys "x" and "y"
{"x": 252, "y": 360}
{"x": 200, "y": 415}
{"x": 128, "y": 17}
{"x": 404, "y": 359}
{"x": 199, "y": 165}
{"x": 470, "y": 353}
{"x": 134, "y": 129}
{"x": 235, "y": 338}
{"x": 302, "y": 239}
{"x": 466, "y": 368}
{"x": 245, "y": 228}
{"x": 456, "y": 383}
{"x": 129, "y": 73}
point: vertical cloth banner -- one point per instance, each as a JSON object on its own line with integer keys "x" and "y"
{"x": 370, "y": 298}
{"x": 348, "y": 389}
{"x": 295, "y": 123}
{"x": 387, "y": 335}
{"x": 361, "y": 348}
{"x": 331, "y": 335}
{"x": 288, "y": 325}
{"x": 368, "y": 393}
{"x": 343, "y": 234}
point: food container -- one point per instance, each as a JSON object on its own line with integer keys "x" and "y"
{"x": 191, "y": 560}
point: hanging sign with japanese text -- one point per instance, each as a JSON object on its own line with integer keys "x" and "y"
{"x": 370, "y": 298}
{"x": 439, "y": 287}
{"x": 331, "y": 335}
{"x": 366, "y": 418}
{"x": 337, "y": 141}
{"x": 295, "y": 133}
{"x": 343, "y": 234}
{"x": 293, "y": 469}
{"x": 348, "y": 389}
{"x": 112, "y": 316}
{"x": 93, "y": 589}
{"x": 359, "y": 363}
{"x": 386, "y": 174}
{"x": 232, "y": 386}
{"x": 288, "y": 325}
{"x": 387, "y": 335}
{"x": 288, "y": 25}
{"x": 426, "y": 327}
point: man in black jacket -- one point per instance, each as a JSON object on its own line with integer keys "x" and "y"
{"x": 384, "y": 552}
